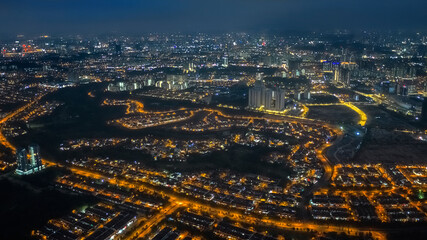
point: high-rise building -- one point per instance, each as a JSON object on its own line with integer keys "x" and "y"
{"x": 345, "y": 77}
{"x": 189, "y": 67}
{"x": 266, "y": 98}
{"x": 174, "y": 82}
{"x": 337, "y": 73}
{"x": 22, "y": 160}
{"x": 406, "y": 87}
{"x": 342, "y": 72}
{"x": 35, "y": 159}
{"x": 31, "y": 163}
{"x": 225, "y": 61}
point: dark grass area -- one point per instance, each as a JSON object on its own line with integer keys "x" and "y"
{"x": 333, "y": 114}
{"x": 381, "y": 117}
{"x": 323, "y": 98}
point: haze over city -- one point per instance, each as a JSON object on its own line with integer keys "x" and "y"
{"x": 142, "y": 16}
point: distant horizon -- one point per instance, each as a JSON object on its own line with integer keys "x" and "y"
{"x": 145, "y": 34}
{"x": 72, "y": 17}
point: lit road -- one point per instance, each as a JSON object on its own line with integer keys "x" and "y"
{"x": 362, "y": 115}
{"x": 142, "y": 231}
{"x": 323, "y": 181}
{"x": 3, "y": 140}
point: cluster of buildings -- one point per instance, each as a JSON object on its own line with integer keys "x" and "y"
{"x": 168, "y": 233}
{"x": 366, "y": 207}
{"x": 117, "y": 212}
{"x": 390, "y": 71}
{"x": 101, "y": 221}
{"x": 173, "y": 82}
{"x": 363, "y": 176}
{"x": 262, "y": 97}
{"x": 379, "y": 176}
{"x": 158, "y": 148}
{"x": 175, "y": 62}
{"x": 250, "y": 193}
{"x": 221, "y": 229}
{"x": 373, "y": 193}
{"x": 187, "y": 96}
{"x": 35, "y": 111}
{"x": 307, "y": 168}
{"x": 329, "y": 207}
{"x": 28, "y": 162}
{"x": 153, "y": 119}
{"x": 124, "y": 86}
{"x": 172, "y": 149}
{"x": 252, "y": 133}
{"x": 265, "y": 196}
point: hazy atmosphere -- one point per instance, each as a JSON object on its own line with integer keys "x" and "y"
{"x": 135, "y": 16}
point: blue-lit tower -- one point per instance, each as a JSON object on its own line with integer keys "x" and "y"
{"x": 22, "y": 160}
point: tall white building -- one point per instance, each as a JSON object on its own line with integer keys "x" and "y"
{"x": 266, "y": 98}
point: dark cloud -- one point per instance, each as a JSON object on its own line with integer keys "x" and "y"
{"x": 135, "y": 16}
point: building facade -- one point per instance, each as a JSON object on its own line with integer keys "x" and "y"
{"x": 266, "y": 98}
{"x": 28, "y": 163}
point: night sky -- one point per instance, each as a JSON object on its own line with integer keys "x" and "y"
{"x": 139, "y": 16}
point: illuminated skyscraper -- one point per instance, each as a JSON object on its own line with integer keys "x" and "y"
{"x": 342, "y": 72}
{"x": 22, "y": 160}
{"x": 31, "y": 163}
{"x": 337, "y": 73}
{"x": 225, "y": 61}
{"x": 256, "y": 95}
{"x": 35, "y": 159}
